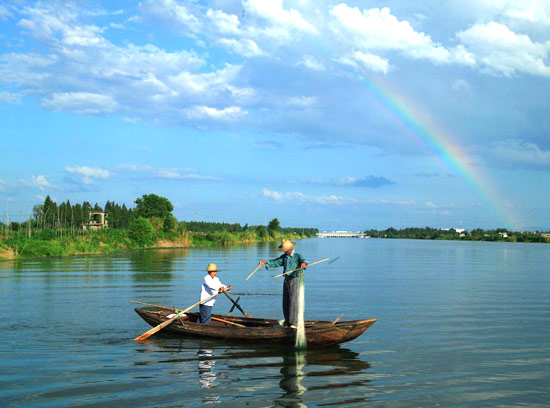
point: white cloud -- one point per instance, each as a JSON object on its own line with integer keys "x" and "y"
{"x": 145, "y": 81}
{"x": 274, "y": 12}
{"x": 226, "y": 114}
{"x": 173, "y": 12}
{"x": 88, "y": 173}
{"x": 169, "y": 173}
{"x": 4, "y": 12}
{"x": 499, "y": 50}
{"x": 518, "y": 153}
{"x": 39, "y": 182}
{"x": 85, "y": 103}
{"x": 378, "y": 29}
{"x": 306, "y": 199}
{"x": 460, "y": 85}
{"x": 309, "y": 61}
{"x": 245, "y": 47}
{"x": 8, "y": 97}
{"x": 302, "y": 101}
{"x": 95, "y": 172}
{"x": 526, "y": 12}
{"x": 366, "y": 62}
{"x": 227, "y": 24}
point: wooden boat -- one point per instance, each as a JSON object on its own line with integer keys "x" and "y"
{"x": 242, "y": 329}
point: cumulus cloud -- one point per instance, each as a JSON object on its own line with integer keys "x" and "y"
{"x": 231, "y": 113}
{"x": 173, "y": 12}
{"x": 499, "y": 50}
{"x": 88, "y": 173}
{"x": 309, "y": 61}
{"x": 274, "y": 13}
{"x": 306, "y": 199}
{"x": 378, "y": 30}
{"x": 145, "y": 80}
{"x": 39, "y": 182}
{"x": 366, "y": 62}
{"x": 245, "y": 47}
{"x": 86, "y": 103}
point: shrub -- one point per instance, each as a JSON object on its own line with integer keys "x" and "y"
{"x": 141, "y": 231}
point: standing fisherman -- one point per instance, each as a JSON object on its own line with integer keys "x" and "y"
{"x": 290, "y": 260}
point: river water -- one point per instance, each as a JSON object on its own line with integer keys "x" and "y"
{"x": 460, "y": 324}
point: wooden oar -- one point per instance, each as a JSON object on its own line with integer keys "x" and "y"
{"x": 253, "y": 272}
{"x": 169, "y": 321}
{"x": 294, "y": 270}
{"x": 227, "y": 321}
{"x": 238, "y": 306}
{"x": 233, "y": 307}
{"x": 338, "y": 318}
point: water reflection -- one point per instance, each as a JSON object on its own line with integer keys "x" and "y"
{"x": 207, "y": 375}
{"x": 284, "y": 376}
{"x": 291, "y": 382}
{"x": 156, "y": 266}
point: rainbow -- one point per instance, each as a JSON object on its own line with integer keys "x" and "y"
{"x": 439, "y": 141}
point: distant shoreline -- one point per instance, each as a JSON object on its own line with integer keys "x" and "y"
{"x": 111, "y": 241}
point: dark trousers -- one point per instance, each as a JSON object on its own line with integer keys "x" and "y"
{"x": 290, "y": 300}
{"x": 205, "y": 314}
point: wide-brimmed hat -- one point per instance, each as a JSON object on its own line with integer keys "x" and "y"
{"x": 286, "y": 245}
{"x": 212, "y": 268}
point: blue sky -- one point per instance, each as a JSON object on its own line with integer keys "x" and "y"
{"x": 329, "y": 114}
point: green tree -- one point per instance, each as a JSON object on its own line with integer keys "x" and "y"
{"x": 274, "y": 225}
{"x": 152, "y": 205}
{"x": 141, "y": 231}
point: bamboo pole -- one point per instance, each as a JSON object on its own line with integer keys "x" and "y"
{"x": 253, "y": 272}
{"x": 294, "y": 270}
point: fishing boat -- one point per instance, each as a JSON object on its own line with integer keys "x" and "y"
{"x": 243, "y": 329}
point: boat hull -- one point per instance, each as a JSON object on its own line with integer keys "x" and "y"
{"x": 265, "y": 331}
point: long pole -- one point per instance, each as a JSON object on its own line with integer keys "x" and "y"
{"x": 294, "y": 270}
{"x": 253, "y": 272}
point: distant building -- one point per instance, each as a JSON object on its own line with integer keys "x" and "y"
{"x": 98, "y": 220}
{"x": 458, "y": 230}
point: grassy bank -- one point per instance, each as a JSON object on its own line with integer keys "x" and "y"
{"x": 52, "y": 243}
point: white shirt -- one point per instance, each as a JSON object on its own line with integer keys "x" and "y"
{"x": 210, "y": 286}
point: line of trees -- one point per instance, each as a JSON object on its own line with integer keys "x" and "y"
{"x": 272, "y": 227}
{"x": 50, "y": 215}
{"x": 477, "y": 234}
{"x": 66, "y": 217}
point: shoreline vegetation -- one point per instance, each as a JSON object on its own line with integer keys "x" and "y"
{"x": 66, "y": 230}
{"x": 477, "y": 234}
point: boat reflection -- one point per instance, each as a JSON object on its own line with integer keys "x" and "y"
{"x": 286, "y": 377}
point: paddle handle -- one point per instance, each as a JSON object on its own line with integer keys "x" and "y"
{"x": 169, "y": 321}
{"x": 253, "y": 272}
{"x": 338, "y": 318}
{"x": 294, "y": 270}
{"x": 238, "y": 306}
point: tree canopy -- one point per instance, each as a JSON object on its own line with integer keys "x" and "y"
{"x": 152, "y": 205}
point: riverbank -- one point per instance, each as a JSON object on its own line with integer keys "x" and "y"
{"x": 108, "y": 241}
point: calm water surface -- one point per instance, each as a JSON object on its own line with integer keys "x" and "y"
{"x": 460, "y": 324}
